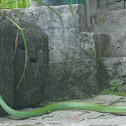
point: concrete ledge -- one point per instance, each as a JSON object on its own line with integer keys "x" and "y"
{"x": 47, "y": 19}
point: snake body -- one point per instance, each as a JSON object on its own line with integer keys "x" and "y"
{"x": 62, "y": 106}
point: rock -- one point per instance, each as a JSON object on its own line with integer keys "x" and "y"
{"x": 7, "y": 39}
{"x": 31, "y": 89}
{"x": 66, "y": 80}
{"x": 79, "y": 74}
{"x": 116, "y": 70}
{"x": 106, "y": 99}
{"x": 113, "y": 53}
{"x": 77, "y": 59}
{"x": 75, "y": 117}
{"x": 67, "y": 72}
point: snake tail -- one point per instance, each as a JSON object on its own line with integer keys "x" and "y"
{"x": 62, "y": 106}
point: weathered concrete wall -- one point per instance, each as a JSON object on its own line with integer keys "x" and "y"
{"x": 116, "y": 70}
{"x": 107, "y": 19}
{"x": 92, "y": 6}
{"x": 79, "y": 61}
{"x": 74, "y": 77}
{"x": 72, "y": 63}
{"x": 31, "y": 89}
{"x": 113, "y": 53}
{"x": 50, "y": 23}
{"x": 7, "y": 38}
{"x": 101, "y": 50}
{"x": 105, "y": 15}
{"x": 67, "y": 56}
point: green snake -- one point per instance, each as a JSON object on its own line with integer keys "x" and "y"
{"x": 62, "y": 106}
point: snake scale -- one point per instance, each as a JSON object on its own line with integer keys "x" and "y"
{"x": 62, "y": 106}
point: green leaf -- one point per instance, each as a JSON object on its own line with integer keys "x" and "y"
{"x": 71, "y": 11}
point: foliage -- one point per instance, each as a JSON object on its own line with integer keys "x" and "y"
{"x": 108, "y": 92}
{"x": 10, "y": 4}
{"x": 71, "y": 10}
{"x": 113, "y": 90}
{"x": 114, "y": 86}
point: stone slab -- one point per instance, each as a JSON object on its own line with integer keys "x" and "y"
{"x": 47, "y": 19}
{"x": 74, "y": 117}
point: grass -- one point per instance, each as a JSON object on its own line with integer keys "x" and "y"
{"x": 108, "y": 92}
{"x": 10, "y": 4}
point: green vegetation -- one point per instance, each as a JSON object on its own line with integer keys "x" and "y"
{"x": 10, "y": 4}
{"x": 108, "y": 91}
{"x": 115, "y": 86}
{"x": 113, "y": 90}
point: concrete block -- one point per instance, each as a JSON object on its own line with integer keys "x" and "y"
{"x": 116, "y": 70}
{"x": 47, "y": 19}
{"x": 78, "y": 76}
{"x": 112, "y": 44}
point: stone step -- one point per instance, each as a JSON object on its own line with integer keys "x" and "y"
{"x": 111, "y": 44}
{"x": 108, "y": 21}
{"x": 47, "y": 19}
{"x": 116, "y": 71}
{"x": 111, "y": 47}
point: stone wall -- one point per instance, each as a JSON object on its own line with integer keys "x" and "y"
{"x": 72, "y": 56}
{"x": 7, "y": 37}
{"x": 30, "y": 91}
{"x": 82, "y": 61}
{"x": 108, "y": 22}
{"x": 73, "y": 64}
{"x": 74, "y": 77}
